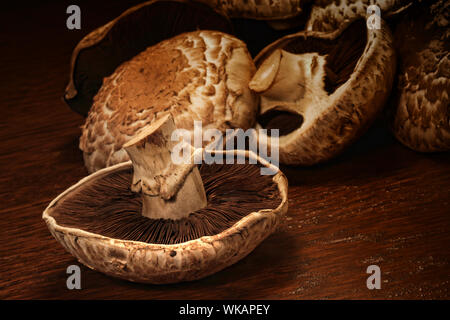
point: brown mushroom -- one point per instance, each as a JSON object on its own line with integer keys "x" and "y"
{"x": 258, "y": 9}
{"x": 329, "y": 15}
{"x": 167, "y": 233}
{"x": 323, "y": 90}
{"x": 201, "y": 75}
{"x": 99, "y": 53}
{"x": 420, "y": 113}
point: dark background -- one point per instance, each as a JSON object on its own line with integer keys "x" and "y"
{"x": 378, "y": 203}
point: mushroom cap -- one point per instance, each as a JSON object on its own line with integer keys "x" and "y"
{"x": 329, "y": 15}
{"x": 327, "y": 99}
{"x": 420, "y": 112}
{"x": 258, "y": 9}
{"x": 201, "y": 75}
{"x": 100, "y": 52}
{"x": 165, "y": 263}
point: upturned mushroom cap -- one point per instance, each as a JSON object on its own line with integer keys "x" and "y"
{"x": 323, "y": 90}
{"x": 200, "y": 75}
{"x": 99, "y": 53}
{"x": 329, "y": 15}
{"x": 420, "y": 113}
{"x": 258, "y": 9}
{"x": 97, "y": 220}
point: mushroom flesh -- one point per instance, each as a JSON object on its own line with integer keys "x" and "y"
{"x": 100, "y": 52}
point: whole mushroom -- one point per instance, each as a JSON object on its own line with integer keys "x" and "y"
{"x": 258, "y": 9}
{"x": 195, "y": 76}
{"x": 177, "y": 222}
{"x": 420, "y": 112}
{"x": 329, "y": 15}
{"x": 323, "y": 90}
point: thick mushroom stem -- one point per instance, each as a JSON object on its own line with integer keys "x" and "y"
{"x": 291, "y": 82}
{"x": 169, "y": 190}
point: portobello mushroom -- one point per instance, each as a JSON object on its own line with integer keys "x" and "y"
{"x": 195, "y": 76}
{"x": 419, "y": 114}
{"x": 99, "y": 53}
{"x": 153, "y": 221}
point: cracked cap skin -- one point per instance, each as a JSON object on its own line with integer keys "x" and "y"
{"x": 166, "y": 263}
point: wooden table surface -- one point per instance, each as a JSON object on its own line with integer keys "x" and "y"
{"x": 379, "y": 203}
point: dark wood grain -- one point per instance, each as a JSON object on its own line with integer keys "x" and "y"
{"x": 379, "y": 203}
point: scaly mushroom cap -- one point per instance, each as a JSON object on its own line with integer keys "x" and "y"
{"x": 99, "y": 53}
{"x": 420, "y": 114}
{"x": 98, "y": 221}
{"x": 258, "y": 9}
{"x": 201, "y": 75}
{"x": 329, "y": 15}
{"x": 323, "y": 90}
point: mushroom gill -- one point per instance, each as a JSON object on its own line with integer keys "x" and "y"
{"x": 110, "y": 208}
